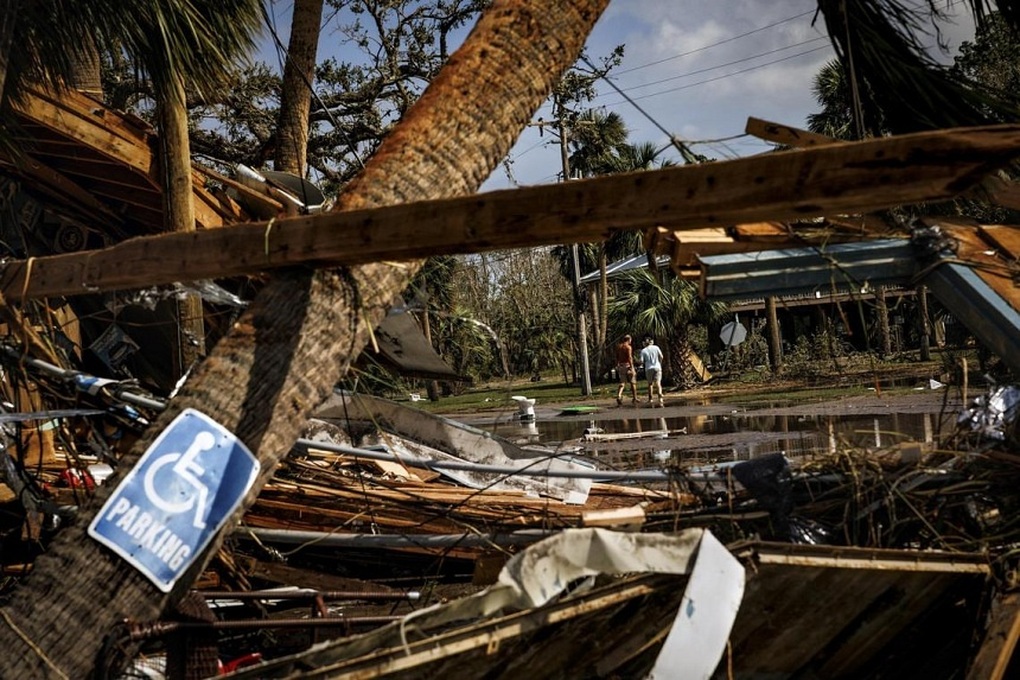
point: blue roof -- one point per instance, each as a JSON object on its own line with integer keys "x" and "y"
{"x": 620, "y": 266}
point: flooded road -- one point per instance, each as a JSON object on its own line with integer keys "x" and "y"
{"x": 641, "y": 436}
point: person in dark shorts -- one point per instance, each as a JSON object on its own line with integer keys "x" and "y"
{"x": 625, "y": 370}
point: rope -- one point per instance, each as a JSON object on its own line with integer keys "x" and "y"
{"x": 265, "y": 238}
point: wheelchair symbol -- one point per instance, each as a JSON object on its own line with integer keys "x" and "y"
{"x": 186, "y": 467}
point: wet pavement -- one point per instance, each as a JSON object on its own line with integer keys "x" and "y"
{"x": 688, "y": 430}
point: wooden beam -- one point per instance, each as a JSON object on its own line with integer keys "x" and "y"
{"x": 860, "y": 176}
{"x": 90, "y": 125}
{"x": 786, "y": 134}
{"x": 999, "y": 641}
{"x": 65, "y": 189}
{"x": 1003, "y": 192}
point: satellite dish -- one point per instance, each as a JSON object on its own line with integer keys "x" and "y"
{"x": 733, "y": 333}
{"x": 310, "y": 195}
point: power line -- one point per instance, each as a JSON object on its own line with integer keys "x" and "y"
{"x": 716, "y": 44}
{"x": 281, "y": 56}
{"x": 713, "y": 68}
{"x": 673, "y": 139}
{"x": 631, "y": 100}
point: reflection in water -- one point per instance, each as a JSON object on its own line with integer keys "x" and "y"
{"x": 736, "y": 437}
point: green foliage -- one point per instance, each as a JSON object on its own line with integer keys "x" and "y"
{"x": 168, "y": 41}
{"x": 391, "y": 51}
{"x": 663, "y": 308}
{"x": 993, "y": 60}
{"x": 901, "y": 87}
{"x": 522, "y": 301}
{"x": 832, "y": 92}
{"x": 749, "y": 357}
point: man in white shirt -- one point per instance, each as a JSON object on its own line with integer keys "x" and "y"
{"x": 651, "y": 357}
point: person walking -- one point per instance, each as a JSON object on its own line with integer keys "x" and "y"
{"x": 625, "y": 372}
{"x": 651, "y": 358}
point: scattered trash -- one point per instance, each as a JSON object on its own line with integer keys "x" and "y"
{"x": 525, "y": 407}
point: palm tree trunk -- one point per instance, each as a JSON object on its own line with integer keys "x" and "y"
{"x": 8, "y": 19}
{"x": 88, "y": 69}
{"x": 286, "y": 353}
{"x": 603, "y": 320}
{"x": 677, "y": 348}
{"x": 180, "y": 209}
{"x": 296, "y": 93}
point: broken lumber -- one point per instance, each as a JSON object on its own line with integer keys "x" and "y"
{"x": 838, "y": 178}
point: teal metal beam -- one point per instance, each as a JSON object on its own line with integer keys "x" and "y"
{"x": 815, "y": 271}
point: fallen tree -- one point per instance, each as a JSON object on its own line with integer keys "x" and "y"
{"x": 305, "y": 328}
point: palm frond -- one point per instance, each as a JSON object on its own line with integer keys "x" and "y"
{"x": 881, "y": 44}
{"x": 192, "y": 41}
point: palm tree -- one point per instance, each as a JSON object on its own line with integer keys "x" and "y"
{"x": 882, "y": 46}
{"x": 175, "y": 41}
{"x": 304, "y": 329}
{"x": 595, "y": 139}
{"x": 600, "y": 147}
{"x": 296, "y": 91}
{"x": 831, "y": 91}
{"x": 663, "y": 309}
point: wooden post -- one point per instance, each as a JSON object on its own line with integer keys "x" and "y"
{"x": 882, "y": 309}
{"x": 582, "y": 323}
{"x": 775, "y": 337}
{"x": 431, "y": 386}
{"x": 180, "y": 207}
{"x": 925, "y": 327}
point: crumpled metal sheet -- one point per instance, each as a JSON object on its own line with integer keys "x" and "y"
{"x": 546, "y": 571}
{"x": 991, "y": 414}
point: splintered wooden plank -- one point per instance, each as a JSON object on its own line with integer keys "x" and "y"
{"x": 91, "y": 125}
{"x": 53, "y": 182}
{"x": 786, "y": 134}
{"x": 990, "y": 267}
{"x": 125, "y": 125}
{"x": 869, "y": 175}
{"x": 999, "y": 643}
{"x": 1005, "y": 238}
{"x": 762, "y": 231}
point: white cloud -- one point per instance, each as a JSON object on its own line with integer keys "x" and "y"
{"x": 699, "y": 68}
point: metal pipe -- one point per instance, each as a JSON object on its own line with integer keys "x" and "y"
{"x": 594, "y": 475}
{"x": 65, "y": 374}
{"x": 335, "y": 540}
{"x": 308, "y": 594}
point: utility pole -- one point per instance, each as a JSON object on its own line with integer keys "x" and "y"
{"x": 585, "y": 373}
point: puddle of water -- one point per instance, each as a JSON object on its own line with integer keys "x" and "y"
{"x": 733, "y": 437}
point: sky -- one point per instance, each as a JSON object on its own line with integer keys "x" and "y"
{"x": 696, "y": 68}
{"x": 699, "y": 69}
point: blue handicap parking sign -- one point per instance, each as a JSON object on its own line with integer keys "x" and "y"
{"x": 184, "y": 487}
